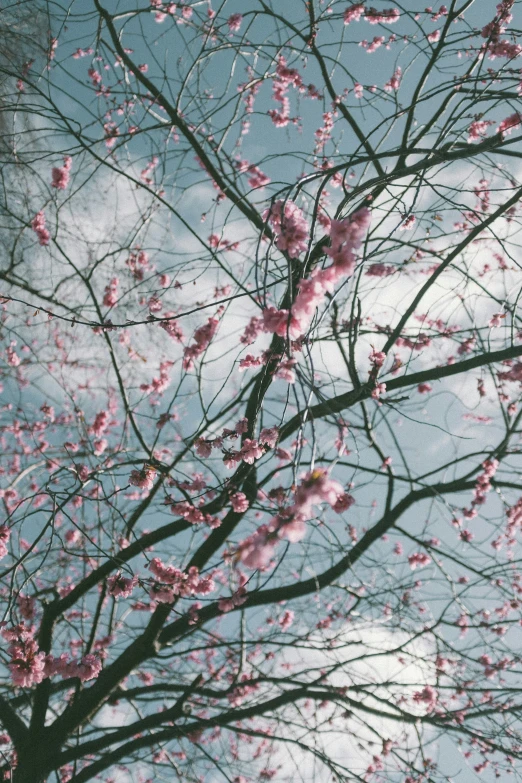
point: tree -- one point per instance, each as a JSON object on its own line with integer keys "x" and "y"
{"x": 261, "y": 366}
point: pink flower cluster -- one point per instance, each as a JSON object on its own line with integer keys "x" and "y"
{"x": 386, "y": 16}
{"x": 317, "y": 487}
{"x": 202, "y": 338}
{"x": 354, "y": 13}
{"x": 234, "y": 22}
{"x": 61, "y": 174}
{"x": 120, "y": 586}
{"x": 5, "y": 535}
{"x": 284, "y": 79}
{"x": 239, "y": 502}
{"x": 418, "y": 560}
{"x": 137, "y": 262}
{"x": 394, "y": 82}
{"x": 39, "y": 228}
{"x": 29, "y": 665}
{"x": 380, "y": 270}
{"x": 508, "y": 124}
{"x": 110, "y": 297}
{"x": 194, "y": 515}
{"x": 143, "y": 479}
{"x": 482, "y": 487}
{"x": 172, "y": 328}
{"x": 86, "y": 668}
{"x": 428, "y": 696}
{"x": 346, "y": 237}
{"x": 101, "y": 423}
{"x": 256, "y": 179}
{"x": 504, "y": 49}
{"x": 513, "y": 374}
{"x": 494, "y": 29}
{"x": 478, "y": 129}
{"x": 324, "y": 133}
{"x": 252, "y": 449}
{"x": 173, "y": 582}
{"x": 290, "y": 227}
{"x": 160, "y": 383}
{"x": 146, "y": 174}
{"x": 240, "y": 692}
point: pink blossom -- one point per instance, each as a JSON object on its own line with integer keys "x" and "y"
{"x": 434, "y": 36}
{"x": 239, "y": 502}
{"x": 143, "y": 479}
{"x": 346, "y": 236}
{"x": 29, "y": 671}
{"x": 174, "y": 582}
{"x": 252, "y": 331}
{"x": 257, "y": 179}
{"x": 389, "y": 16}
{"x": 380, "y": 270}
{"x": 275, "y": 321}
{"x": 285, "y": 78}
{"x": 100, "y": 445}
{"x": 394, "y": 82}
{"x": 5, "y": 535}
{"x": 87, "y": 668}
{"x": 61, "y": 174}
{"x": 377, "y": 358}
{"x": 249, "y": 361}
{"x": 257, "y": 550}
{"x": 343, "y": 503}
{"x": 354, "y": 13}
{"x": 409, "y": 222}
{"x": 269, "y": 436}
{"x": 293, "y": 529}
{"x": 110, "y": 297}
{"x": 203, "y": 447}
{"x": 172, "y": 328}
{"x": 379, "y": 389}
{"x": 241, "y": 426}
{"x": 290, "y": 227}
{"x": 478, "y": 129}
{"x": 496, "y": 320}
{"x": 287, "y": 619}
{"x": 250, "y": 451}
{"x": 315, "y": 488}
{"x": 508, "y": 124}
{"x": 164, "y": 281}
{"x": 12, "y": 358}
{"x": 504, "y": 49}
{"x": 27, "y": 665}
{"x": 202, "y": 338}
{"x": 428, "y": 696}
{"x": 234, "y": 22}
{"x": 418, "y": 560}
{"x": 466, "y": 535}
{"x": 121, "y": 586}
{"x": 231, "y": 459}
{"x": 38, "y": 226}
{"x": 100, "y": 424}
{"x": 285, "y": 370}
